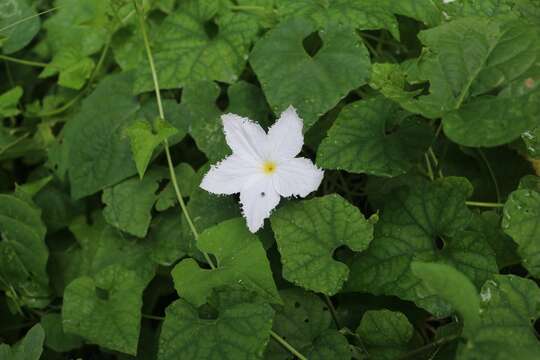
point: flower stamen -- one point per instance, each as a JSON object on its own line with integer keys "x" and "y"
{"x": 269, "y": 167}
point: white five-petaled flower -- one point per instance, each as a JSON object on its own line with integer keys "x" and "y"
{"x": 263, "y": 167}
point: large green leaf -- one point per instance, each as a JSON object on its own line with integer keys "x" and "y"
{"x": 29, "y": 348}
{"x": 240, "y": 330}
{"x": 466, "y": 62}
{"x": 509, "y": 305}
{"x": 23, "y": 252}
{"x": 425, "y": 222}
{"x": 488, "y": 223}
{"x": 371, "y": 136}
{"x": 98, "y": 246}
{"x": 313, "y": 84}
{"x": 497, "y": 322}
{"x": 106, "y": 309}
{"x": 454, "y": 287}
{"x": 424, "y": 10}
{"x": 55, "y": 337}
{"x": 98, "y": 150}
{"x": 385, "y": 334}
{"x": 19, "y": 24}
{"x": 359, "y": 14}
{"x": 521, "y": 221}
{"x": 129, "y": 204}
{"x": 241, "y": 260}
{"x": 207, "y": 210}
{"x": 166, "y": 236}
{"x": 307, "y": 233}
{"x": 79, "y": 25}
{"x": 194, "y": 44}
{"x": 304, "y": 321}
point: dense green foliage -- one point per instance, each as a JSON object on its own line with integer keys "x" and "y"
{"x": 423, "y": 241}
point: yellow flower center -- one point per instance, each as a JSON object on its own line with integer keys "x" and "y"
{"x": 269, "y": 167}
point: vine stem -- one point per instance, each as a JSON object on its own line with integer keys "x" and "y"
{"x": 174, "y": 181}
{"x": 287, "y": 346}
{"x": 484, "y": 204}
{"x": 24, "y": 62}
{"x": 29, "y": 18}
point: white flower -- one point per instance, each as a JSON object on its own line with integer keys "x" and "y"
{"x": 263, "y": 167}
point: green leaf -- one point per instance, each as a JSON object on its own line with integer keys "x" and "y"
{"x": 466, "y": 62}
{"x": 145, "y": 138}
{"x": 98, "y": 152}
{"x": 488, "y": 223}
{"x": 502, "y": 54}
{"x": 55, "y": 337}
{"x": 425, "y": 222}
{"x": 74, "y": 69}
{"x": 454, "y": 287}
{"x": 29, "y": 348}
{"x": 423, "y": 10}
{"x": 207, "y": 210}
{"x": 370, "y": 136}
{"x": 246, "y": 324}
{"x": 359, "y": 14}
{"x": 304, "y": 321}
{"x": 330, "y": 345}
{"x": 314, "y": 85}
{"x": 509, "y": 304}
{"x": 100, "y": 245}
{"x": 167, "y": 237}
{"x": 192, "y": 44}
{"x": 200, "y": 116}
{"x": 19, "y": 24}
{"x": 385, "y": 334}
{"x": 106, "y": 309}
{"x": 188, "y": 181}
{"x": 23, "y": 252}
{"x": 78, "y": 25}
{"x": 307, "y": 233}
{"x": 129, "y": 204}
{"x": 521, "y": 221}
{"x": 505, "y": 119}
{"x": 241, "y": 260}
{"x": 9, "y": 101}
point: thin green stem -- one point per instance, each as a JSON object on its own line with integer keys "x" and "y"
{"x": 13, "y": 143}
{"x": 435, "y": 161}
{"x": 287, "y": 346}
{"x": 153, "y": 317}
{"x": 492, "y": 174}
{"x": 29, "y": 18}
{"x": 429, "y": 169}
{"x": 249, "y": 8}
{"x": 24, "y": 62}
{"x": 333, "y": 311}
{"x": 484, "y": 204}
{"x": 174, "y": 181}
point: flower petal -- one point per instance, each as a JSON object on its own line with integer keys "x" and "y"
{"x": 297, "y": 177}
{"x": 285, "y": 136}
{"x": 229, "y": 176}
{"x": 246, "y": 138}
{"x": 258, "y": 199}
